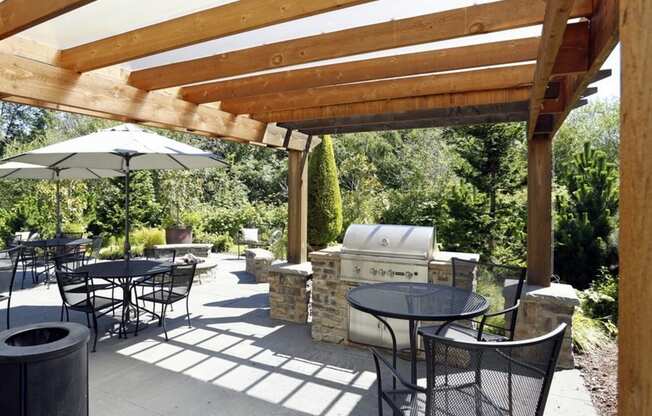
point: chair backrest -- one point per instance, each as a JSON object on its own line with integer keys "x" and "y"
{"x": 502, "y": 285}
{"x": 33, "y": 236}
{"x": 72, "y": 235}
{"x": 70, "y": 261}
{"x": 249, "y": 234}
{"x": 96, "y": 246}
{"x": 73, "y": 287}
{"x": 182, "y": 276}
{"x": 486, "y": 378}
{"x": 9, "y": 264}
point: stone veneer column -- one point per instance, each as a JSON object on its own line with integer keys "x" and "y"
{"x": 542, "y": 310}
{"x": 258, "y": 262}
{"x": 289, "y": 291}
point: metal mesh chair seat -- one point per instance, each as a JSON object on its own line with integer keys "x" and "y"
{"x": 162, "y": 296}
{"x": 461, "y": 332}
{"x": 94, "y": 302}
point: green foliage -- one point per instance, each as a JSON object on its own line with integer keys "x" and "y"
{"x": 590, "y": 334}
{"x": 324, "y": 198}
{"x": 586, "y": 218}
{"x": 220, "y": 242}
{"x": 74, "y": 228}
{"x": 139, "y": 239}
{"x": 600, "y": 300}
{"x": 147, "y": 237}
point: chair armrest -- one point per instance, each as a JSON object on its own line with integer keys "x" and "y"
{"x": 394, "y": 371}
{"x": 492, "y": 314}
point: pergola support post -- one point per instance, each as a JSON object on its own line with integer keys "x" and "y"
{"x": 539, "y": 220}
{"x": 635, "y": 241}
{"x": 297, "y": 207}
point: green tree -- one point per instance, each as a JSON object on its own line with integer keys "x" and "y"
{"x": 491, "y": 159}
{"x": 324, "y": 199}
{"x": 586, "y": 218}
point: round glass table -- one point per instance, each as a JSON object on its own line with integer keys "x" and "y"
{"x": 416, "y": 302}
{"x": 122, "y": 272}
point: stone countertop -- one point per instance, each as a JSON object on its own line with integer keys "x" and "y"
{"x": 302, "y": 269}
{"x": 171, "y": 246}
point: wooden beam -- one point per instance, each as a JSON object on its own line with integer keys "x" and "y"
{"x": 483, "y": 18}
{"x": 399, "y": 105}
{"x": 43, "y": 83}
{"x": 554, "y": 26}
{"x": 539, "y": 208}
{"x": 428, "y": 114}
{"x": 635, "y": 241}
{"x": 603, "y": 39}
{"x": 479, "y": 80}
{"x": 297, "y": 208}
{"x": 205, "y": 25}
{"x": 422, "y": 123}
{"x": 511, "y": 51}
{"x": 19, "y": 15}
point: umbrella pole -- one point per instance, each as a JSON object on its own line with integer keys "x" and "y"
{"x": 58, "y": 233}
{"x": 127, "y": 245}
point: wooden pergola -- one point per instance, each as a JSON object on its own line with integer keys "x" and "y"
{"x": 246, "y": 96}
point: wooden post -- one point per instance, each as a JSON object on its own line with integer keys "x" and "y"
{"x": 539, "y": 205}
{"x": 635, "y": 297}
{"x": 297, "y": 207}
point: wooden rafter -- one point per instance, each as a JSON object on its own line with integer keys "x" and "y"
{"x": 483, "y": 79}
{"x": 484, "y": 18}
{"x": 225, "y": 20}
{"x": 29, "y": 79}
{"x": 496, "y": 53}
{"x": 19, "y": 15}
{"x": 554, "y": 26}
{"x": 464, "y": 99}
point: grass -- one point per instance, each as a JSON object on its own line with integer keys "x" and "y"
{"x": 591, "y": 334}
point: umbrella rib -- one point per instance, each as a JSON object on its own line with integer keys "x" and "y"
{"x": 93, "y": 173}
{"x": 9, "y": 174}
{"x": 54, "y": 165}
{"x": 181, "y": 164}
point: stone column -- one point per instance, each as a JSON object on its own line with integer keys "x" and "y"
{"x": 258, "y": 262}
{"x": 290, "y": 287}
{"x": 542, "y": 310}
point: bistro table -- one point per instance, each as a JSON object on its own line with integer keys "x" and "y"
{"x": 416, "y": 302}
{"x": 123, "y": 272}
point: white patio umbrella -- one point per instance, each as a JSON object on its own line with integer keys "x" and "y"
{"x": 18, "y": 170}
{"x": 123, "y": 148}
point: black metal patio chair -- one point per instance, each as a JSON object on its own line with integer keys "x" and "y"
{"x": 93, "y": 252}
{"x": 466, "y": 378}
{"x": 502, "y": 285}
{"x": 32, "y": 259}
{"x": 78, "y": 294}
{"x": 8, "y": 265}
{"x": 170, "y": 288}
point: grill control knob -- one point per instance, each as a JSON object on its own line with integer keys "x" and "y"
{"x": 373, "y": 271}
{"x": 408, "y": 275}
{"x": 382, "y": 272}
{"x": 356, "y": 269}
{"x": 390, "y": 273}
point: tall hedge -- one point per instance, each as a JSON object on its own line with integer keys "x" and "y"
{"x": 324, "y": 199}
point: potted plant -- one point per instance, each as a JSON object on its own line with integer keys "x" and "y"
{"x": 176, "y": 192}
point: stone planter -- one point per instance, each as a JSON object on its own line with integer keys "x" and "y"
{"x": 44, "y": 370}
{"x": 178, "y": 235}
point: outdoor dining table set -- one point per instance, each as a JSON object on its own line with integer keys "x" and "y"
{"x": 472, "y": 363}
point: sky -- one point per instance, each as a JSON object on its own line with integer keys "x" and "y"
{"x": 105, "y": 18}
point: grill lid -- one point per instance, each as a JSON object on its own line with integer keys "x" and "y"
{"x": 404, "y": 241}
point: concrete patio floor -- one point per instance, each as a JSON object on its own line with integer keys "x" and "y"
{"x": 235, "y": 360}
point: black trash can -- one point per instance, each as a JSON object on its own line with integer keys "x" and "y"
{"x": 44, "y": 370}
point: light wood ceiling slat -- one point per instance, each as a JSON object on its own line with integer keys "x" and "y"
{"x": 484, "y": 18}
{"x": 19, "y": 15}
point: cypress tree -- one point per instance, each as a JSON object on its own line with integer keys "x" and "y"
{"x": 324, "y": 199}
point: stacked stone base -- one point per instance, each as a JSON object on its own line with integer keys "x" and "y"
{"x": 258, "y": 263}
{"x": 542, "y": 310}
{"x": 289, "y": 291}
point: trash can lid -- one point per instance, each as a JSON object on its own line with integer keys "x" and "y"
{"x": 42, "y": 341}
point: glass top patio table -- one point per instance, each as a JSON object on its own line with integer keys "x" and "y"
{"x": 416, "y": 302}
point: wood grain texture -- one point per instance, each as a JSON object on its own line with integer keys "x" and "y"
{"x": 539, "y": 208}
{"x": 297, "y": 208}
{"x": 496, "y": 53}
{"x": 484, "y": 18}
{"x": 398, "y": 105}
{"x": 478, "y": 80}
{"x": 217, "y": 22}
{"x": 635, "y": 292}
{"x": 19, "y": 15}
{"x": 554, "y": 26}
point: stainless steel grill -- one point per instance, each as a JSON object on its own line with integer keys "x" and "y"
{"x": 382, "y": 253}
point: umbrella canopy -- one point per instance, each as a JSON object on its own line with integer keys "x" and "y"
{"x": 125, "y": 147}
{"x": 18, "y": 170}
{"x": 106, "y": 149}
